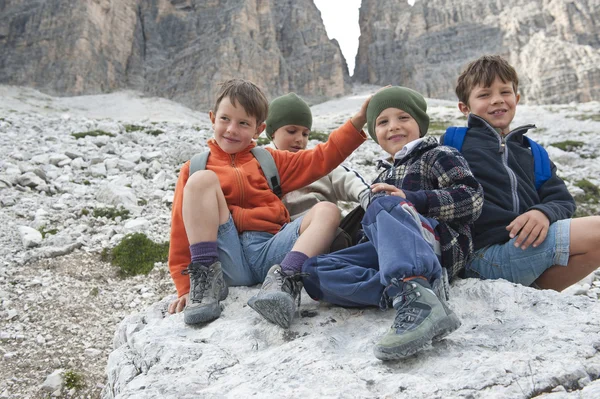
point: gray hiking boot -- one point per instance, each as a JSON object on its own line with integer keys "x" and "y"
{"x": 421, "y": 317}
{"x": 441, "y": 286}
{"x": 276, "y": 300}
{"x": 207, "y": 288}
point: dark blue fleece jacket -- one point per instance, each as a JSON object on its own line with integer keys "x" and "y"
{"x": 504, "y": 167}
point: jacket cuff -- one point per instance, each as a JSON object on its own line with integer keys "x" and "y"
{"x": 545, "y": 211}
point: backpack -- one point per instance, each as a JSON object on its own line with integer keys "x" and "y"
{"x": 455, "y": 136}
{"x": 264, "y": 158}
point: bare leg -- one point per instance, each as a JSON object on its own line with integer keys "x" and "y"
{"x": 318, "y": 229}
{"x": 204, "y": 207}
{"x": 584, "y": 256}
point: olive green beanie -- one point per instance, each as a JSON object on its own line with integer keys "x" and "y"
{"x": 287, "y": 110}
{"x": 402, "y": 98}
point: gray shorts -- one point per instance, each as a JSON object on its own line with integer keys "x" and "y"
{"x": 246, "y": 258}
{"x": 523, "y": 266}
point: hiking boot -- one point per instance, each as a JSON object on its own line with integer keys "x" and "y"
{"x": 421, "y": 317}
{"x": 441, "y": 286}
{"x": 207, "y": 288}
{"x": 276, "y": 300}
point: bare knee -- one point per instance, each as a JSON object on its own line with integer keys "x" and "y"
{"x": 326, "y": 213}
{"x": 201, "y": 182}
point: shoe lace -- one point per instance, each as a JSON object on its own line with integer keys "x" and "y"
{"x": 198, "y": 282}
{"x": 406, "y": 314}
{"x": 291, "y": 283}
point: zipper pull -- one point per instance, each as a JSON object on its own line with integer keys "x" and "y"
{"x": 502, "y": 146}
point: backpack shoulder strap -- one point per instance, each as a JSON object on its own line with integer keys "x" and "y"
{"x": 541, "y": 163}
{"x": 198, "y": 162}
{"x": 267, "y": 164}
{"x": 454, "y": 137}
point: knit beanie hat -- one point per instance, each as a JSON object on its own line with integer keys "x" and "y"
{"x": 287, "y": 110}
{"x": 402, "y": 98}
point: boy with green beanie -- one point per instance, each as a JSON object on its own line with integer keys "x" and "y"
{"x": 288, "y": 125}
{"x": 417, "y": 221}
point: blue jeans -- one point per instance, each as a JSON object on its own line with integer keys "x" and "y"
{"x": 357, "y": 276}
{"x": 522, "y": 266}
{"x": 246, "y": 258}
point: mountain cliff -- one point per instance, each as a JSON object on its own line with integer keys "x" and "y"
{"x": 553, "y": 44}
{"x": 179, "y": 49}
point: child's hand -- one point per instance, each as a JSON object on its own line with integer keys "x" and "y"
{"x": 388, "y": 188}
{"x": 360, "y": 118}
{"x": 531, "y": 228}
{"x": 178, "y": 304}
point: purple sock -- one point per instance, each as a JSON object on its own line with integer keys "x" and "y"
{"x": 204, "y": 252}
{"x": 293, "y": 261}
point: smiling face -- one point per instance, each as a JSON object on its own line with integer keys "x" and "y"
{"x": 234, "y": 128}
{"x": 394, "y": 129}
{"x": 291, "y": 138}
{"x": 496, "y": 104}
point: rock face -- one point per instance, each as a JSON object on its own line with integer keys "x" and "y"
{"x": 553, "y": 44}
{"x": 179, "y": 49}
{"x": 514, "y": 342}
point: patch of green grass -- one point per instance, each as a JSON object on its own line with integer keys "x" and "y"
{"x": 568, "y": 145}
{"x": 155, "y": 132}
{"x": 47, "y": 232}
{"x": 84, "y": 212}
{"x": 92, "y": 133}
{"x": 94, "y": 291}
{"x": 111, "y": 213}
{"x": 136, "y": 254}
{"x": 441, "y": 126}
{"x": 585, "y": 117}
{"x": 86, "y": 182}
{"x": 591, "y": 192}
{"x": 320, "y": 136}
{"x": 73, "y": 380}
{"x": 142, "y": 202}
{"x": 133, "y": 128}
{"x": 263, "y": 140}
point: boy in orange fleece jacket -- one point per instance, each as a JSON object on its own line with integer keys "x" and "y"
{"x": 228, "y": 228}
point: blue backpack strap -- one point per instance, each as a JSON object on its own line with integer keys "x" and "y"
{"x": 267, "y": 164}
{"x": 541, "y": 162}
{"x": 455, "y": 136}
{"x": 198, "y": 162}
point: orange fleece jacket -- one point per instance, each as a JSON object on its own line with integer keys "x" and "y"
{"x": 253, "y": 206}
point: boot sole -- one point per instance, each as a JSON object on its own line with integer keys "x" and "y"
{"x": 441, "y": 329}
{"x": 202, "y": 314}
{"x": 277, "y": 307}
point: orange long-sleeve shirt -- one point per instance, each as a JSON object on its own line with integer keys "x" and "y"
{"x": 253, "y": 206}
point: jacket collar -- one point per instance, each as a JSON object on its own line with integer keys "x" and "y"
{"x": 515, "y": 134}
{"x": 425, "y": 145}
{"x": 215, "y": 149}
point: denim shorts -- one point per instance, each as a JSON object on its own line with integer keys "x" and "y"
{"x": 246, "y": 258}
{"x": 522, "y": 266}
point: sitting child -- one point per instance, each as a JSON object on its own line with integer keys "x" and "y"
{"x": 426, "y": 191}
{"x": 229, "y": 228}
{"x": 288, "y": 127}
{"x": 525, "y": 234}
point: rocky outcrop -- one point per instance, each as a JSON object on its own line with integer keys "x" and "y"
{"x": 179, "y": 49}
{"x": 553, "y": 44}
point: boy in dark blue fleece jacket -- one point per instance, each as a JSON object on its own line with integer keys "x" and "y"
{"x": 420, "y": 208}
{"x": 524, "y": 235}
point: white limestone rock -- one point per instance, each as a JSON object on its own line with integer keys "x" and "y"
{"x": 30, "y": 237}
